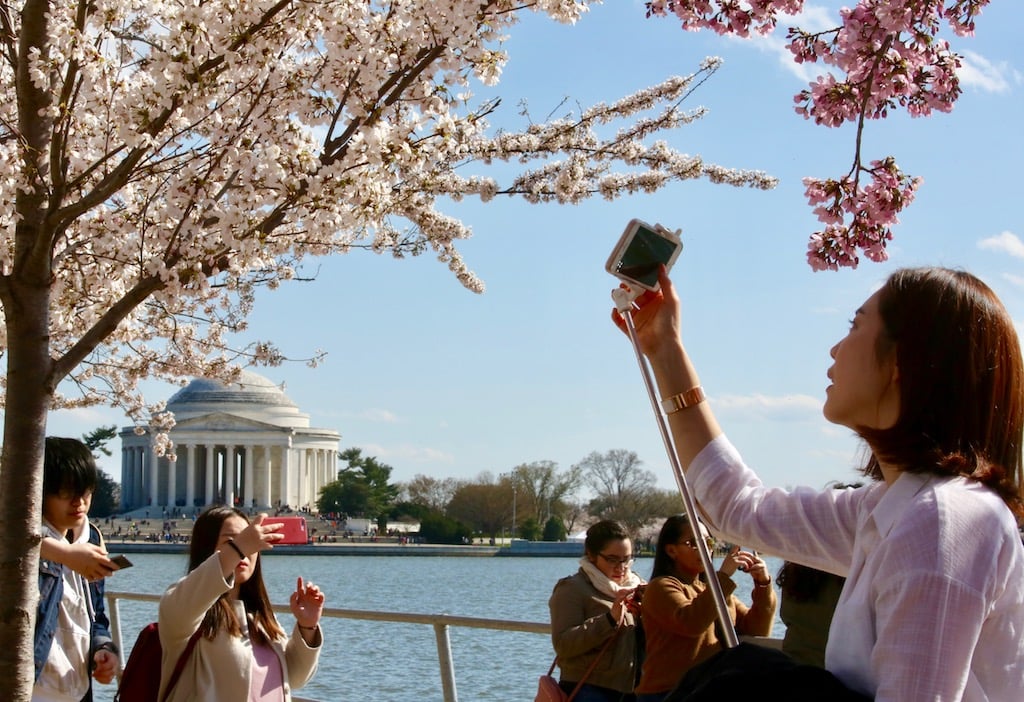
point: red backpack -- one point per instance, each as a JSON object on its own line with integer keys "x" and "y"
{"x": 140, "y": 681}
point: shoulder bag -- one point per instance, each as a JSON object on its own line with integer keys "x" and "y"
{"x": 548, "y": 689}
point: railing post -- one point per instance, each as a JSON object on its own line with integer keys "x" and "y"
{"x": 115, "y": 625}
{"x": 444, "y": 659}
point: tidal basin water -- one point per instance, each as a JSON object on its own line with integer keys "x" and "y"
{"x": 391, "y": 662}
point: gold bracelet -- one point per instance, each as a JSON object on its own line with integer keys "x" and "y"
{"x": 693, "y": 396}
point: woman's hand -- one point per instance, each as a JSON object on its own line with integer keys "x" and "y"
{"x": 307, "y": 605}
{"x": 748, "y": 562}
{"x": 620, "y": 606}
{"x": 757, "y": 569}
{"x": 258, "y": 537}
{"x": 656, "y": 316}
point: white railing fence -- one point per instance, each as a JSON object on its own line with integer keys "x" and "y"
{"x": 440, "y": 622}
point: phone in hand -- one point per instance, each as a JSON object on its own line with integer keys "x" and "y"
{"x": 639, "y": 252}
{"x": 293, "y": 529}
{"x": 121, "y": 562}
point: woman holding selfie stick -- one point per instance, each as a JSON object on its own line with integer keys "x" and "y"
{"x": 930, "y": 377}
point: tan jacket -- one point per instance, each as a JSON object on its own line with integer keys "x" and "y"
{"x": 219, "y": 670}
{"x": 679, "y": 626}
{"x": 580, "y": 625}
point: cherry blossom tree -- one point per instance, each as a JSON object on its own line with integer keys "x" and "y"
{"x": 161, "y": 160}
{"x": 888, "y": 55}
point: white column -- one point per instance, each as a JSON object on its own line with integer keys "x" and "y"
{"x": 140, "y": 475}
{"x": 286, "y": 467}
{"x": 172, "y": 482}
{"x": 153, "y": 474}
{"x": 190, "y": 475}
{"x": 304, "y": 477}
{"x": 314, "y": 479}
{"x": 133, "y": 501}
{"x": 229, "y": 476}
{"x": 264, "y": 497}
{"x": 125, "y": 477}
{"x": 211, "y": 470}
{"x": 248, "y": 474}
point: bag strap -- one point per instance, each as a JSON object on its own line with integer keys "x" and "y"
{"x": 179, "y": 667}
{"x": 593, "y": 664}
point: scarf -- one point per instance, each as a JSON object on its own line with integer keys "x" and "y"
{"x": 606, "y": 585}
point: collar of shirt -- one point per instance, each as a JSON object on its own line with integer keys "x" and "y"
{"x": 894, "y": 502}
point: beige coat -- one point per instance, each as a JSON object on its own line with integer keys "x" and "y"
{"x": 219, "y": 670}
{"x": 581, "y": 624}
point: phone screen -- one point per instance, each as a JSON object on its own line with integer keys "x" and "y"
{"x": 646, "y": 251}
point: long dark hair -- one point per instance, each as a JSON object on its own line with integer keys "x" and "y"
{"x": 961, "y": 380}
{"x": 252, "y": 593}
{"x": 675, "y": 528}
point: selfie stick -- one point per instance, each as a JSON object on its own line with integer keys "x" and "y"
{"x": 624, "y": 304}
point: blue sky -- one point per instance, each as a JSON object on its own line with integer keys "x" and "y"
{"x": 433, "y": 379}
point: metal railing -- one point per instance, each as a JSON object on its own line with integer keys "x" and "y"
{"x": 440, "y": 623}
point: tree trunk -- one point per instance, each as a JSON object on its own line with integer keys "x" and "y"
{"x": 26, "y": 308}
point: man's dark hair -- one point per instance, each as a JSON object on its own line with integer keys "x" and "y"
{"x": 68, "y": 466}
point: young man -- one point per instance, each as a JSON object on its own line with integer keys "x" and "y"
{"x": 72, "y": 637}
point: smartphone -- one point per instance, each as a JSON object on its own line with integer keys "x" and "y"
{"x": 639, "y": 252}
{"x": 294, "y": 529}
{"x": 121, "y": 562}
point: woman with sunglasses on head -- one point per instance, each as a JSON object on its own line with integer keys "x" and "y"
{"x": 679, "y": 614}
{"x": 594, "y": 617}
{"x": 930, "y": 376}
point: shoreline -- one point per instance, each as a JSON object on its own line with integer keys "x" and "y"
{"x": 519, "y": 549}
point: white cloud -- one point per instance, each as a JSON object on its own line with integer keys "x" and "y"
{"x": 812, "y": 19}
{"x": 1006, "y": 242}
{"x": 372, "y": 414}
{"x": 1016, "y": 280}
{"x": 407, "y": 453}
{"x": 763, "y": 406}
{"x": 976, "y": 71}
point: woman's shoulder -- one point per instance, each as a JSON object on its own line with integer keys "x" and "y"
{"x": 576, "y": 580}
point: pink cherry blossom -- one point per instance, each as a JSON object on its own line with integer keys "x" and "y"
{"x": 885, "y": 56}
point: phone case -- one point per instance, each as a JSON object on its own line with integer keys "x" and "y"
{"x": 294, "y": 529}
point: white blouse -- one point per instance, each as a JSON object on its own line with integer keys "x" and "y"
{"x": 933, "y": 605}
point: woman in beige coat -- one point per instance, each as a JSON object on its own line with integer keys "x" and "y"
{"x": 241, "y": 652}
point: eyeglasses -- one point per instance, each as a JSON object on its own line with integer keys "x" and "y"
{"x": 692, "y": 543}
{"x": 616, "y": 561}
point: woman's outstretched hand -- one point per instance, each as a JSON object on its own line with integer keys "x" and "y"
{"x": 655, "y": 316}
{"x": 259, "y": 537}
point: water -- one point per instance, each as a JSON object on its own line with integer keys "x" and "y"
{"x": 397, "y": 662}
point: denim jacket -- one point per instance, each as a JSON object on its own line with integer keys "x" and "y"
{"x": 51, "y": 590}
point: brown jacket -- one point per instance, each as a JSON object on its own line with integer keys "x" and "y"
{"x": 581, "y": 623}
{"x": 679, "y": 625}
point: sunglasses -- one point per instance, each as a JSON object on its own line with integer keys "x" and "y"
{"x": 692, "y": 543}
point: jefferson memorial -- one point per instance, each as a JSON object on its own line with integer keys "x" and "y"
{"x": 243, "y": 443}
